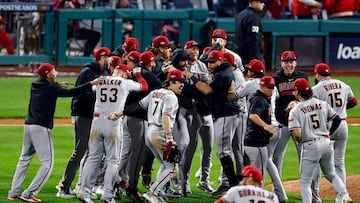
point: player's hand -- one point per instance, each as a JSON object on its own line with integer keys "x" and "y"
{"x": 232, "y": 96}
{"x": 115, "y": 115}
{"x": 187, "y": 74}
{"x": 65, "y": 84}
{"x": 271, "y": 129}
{"x": 136, "y": 70}
{"x": 290, "y": 106}
{"x": 97, "y": 80}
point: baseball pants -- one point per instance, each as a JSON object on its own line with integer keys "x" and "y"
{"x": 104, "y": 139}
{"x": 155, "y": 140}
{"x": 315, "y": 153}
{"x": 37, "y": 139}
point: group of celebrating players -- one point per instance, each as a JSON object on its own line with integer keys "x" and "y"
{"x": 156, "y": 104}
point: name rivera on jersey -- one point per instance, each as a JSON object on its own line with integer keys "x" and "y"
{"x": 250, "y": 192}
{"x": 332, "y": 86}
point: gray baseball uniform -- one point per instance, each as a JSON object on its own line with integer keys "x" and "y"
{"x": 337, "y": 94}
{"x": 106, "y": 134}
{"x": 310, "y": 118}
{"x": 157, "y": 103}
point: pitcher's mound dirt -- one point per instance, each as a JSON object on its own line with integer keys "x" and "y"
{"x": 326, "y": 188}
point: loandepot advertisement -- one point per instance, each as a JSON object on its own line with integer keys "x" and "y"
{"x": 344, "y": 52}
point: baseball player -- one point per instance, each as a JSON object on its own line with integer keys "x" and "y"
{"x": 280, "y": 100}
{"x": 256, "y": 70}
{"x": 259, "y": 128}
{"x": 219, "y": 42}
{"x": 135, "y": 126}
{"x": 249, "y": 189}
{"x": 225, "y": 112}
{"x": 82, "y": 110}
{"x": 308, "y": 125}
{"x": 37, "y": 131}
{"x": 132, "y": 59}
{"x": 130, "y": 44}
{"x": 340, "y": 97}
{"x": 160, "y": 47}
{"x": 204, "y": 125}
{"x": 237, "y": 143}
{"x": 162, "y": 106}
{"x": 106, "y": 133}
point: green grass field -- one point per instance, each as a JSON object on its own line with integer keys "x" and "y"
{"x": 14, "y": 102}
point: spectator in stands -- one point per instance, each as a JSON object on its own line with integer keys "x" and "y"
{"x": 5, "y": 39}
{"x": 248, "y": 32}
{"x": 305, "y": 9}
{"x": 341, "y": 8}
{"x": 92, "y": 37}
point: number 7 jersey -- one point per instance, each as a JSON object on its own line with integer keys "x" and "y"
{"x": 159, "y": 102}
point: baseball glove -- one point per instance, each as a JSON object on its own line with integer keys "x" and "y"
{"x": 171, "y": 153}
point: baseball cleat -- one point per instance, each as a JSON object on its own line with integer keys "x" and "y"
{"x": 64, "y": 195}
{"x": 14, "y": 197}
{"x": 222, "y": 188}
{"x": 149, "y": 196}
{"x": 205, "y": 186}
{"x": 84, "y": 200}
{"x": 29, "y": 198}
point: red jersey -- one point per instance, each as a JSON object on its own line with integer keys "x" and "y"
{"x": 6, "y": 42}
{"x": 340, "y": 8}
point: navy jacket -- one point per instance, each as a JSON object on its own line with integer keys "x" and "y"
{"x": 256, "y": 136}
{"x": 83, "y": 104}
{"x": 220, "y": 105}
{"x": 43, "y": 97}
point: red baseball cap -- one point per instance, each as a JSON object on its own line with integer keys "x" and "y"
{"x": 191, "y": 43}
{"x": 288, "y": 55}
{"x": 45, "y": 68}
{"x": 256, "y": 66}
{"x": 2, "y": 20}
{"x": 160, "y": 41}
{"x": 301, "y": 84}
{"x": 206, "y": 49}
{"x": 116, "y": 60}
{"x": 252, "y": 171}
{"x": 322, "y": 68}
{"x": 215, "y": 55}
{"x": 219, "y": 33}
{"x": 124, "y": 68}
{"x": 229, "y": 57}
{"x": 102, "y": 51}
{"x": 134, "y": 56}
{"x": 131, "y": 44}
{"x": 267, "y": 81}
{"x": 146, "y": 57}
{"x": 175, "y": 75}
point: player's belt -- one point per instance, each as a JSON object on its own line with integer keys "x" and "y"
{"x": 317, "y": 139}
{"x": 96, "y": 115}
